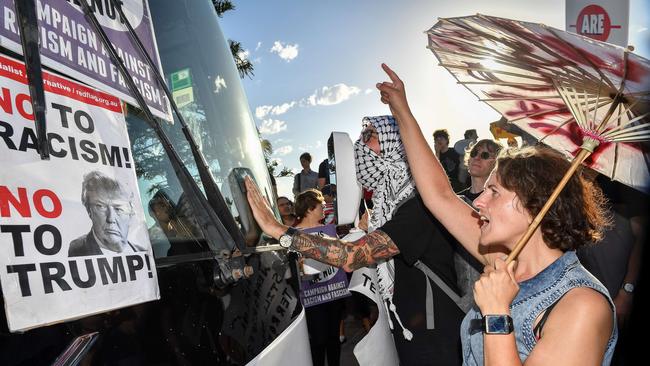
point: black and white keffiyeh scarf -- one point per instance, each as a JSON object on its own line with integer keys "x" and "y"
{"x": 389, "y": 177}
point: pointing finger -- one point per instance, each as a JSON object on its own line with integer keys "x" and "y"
{"x": 391, "y": 74}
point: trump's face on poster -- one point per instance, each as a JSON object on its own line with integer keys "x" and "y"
{"x": 110, "y": 212}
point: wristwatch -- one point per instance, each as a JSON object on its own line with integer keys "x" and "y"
{"x": 497, "y": 324}
{"x": 628, "y": 287}
{"x": 287, "y": 237}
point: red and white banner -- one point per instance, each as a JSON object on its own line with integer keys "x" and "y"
{"x": 604, "y": 20}
{"x": 74, "y": 237}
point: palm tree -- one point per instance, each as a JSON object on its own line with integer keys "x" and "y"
{"x": 244, "y": 66}
{"x": 271, "y": 165}
{"x": 222, "y": 6}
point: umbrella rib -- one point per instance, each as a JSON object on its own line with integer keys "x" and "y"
{"x": 514, "y": 38}
{"x": 596, "y": 109}
{"x": 636, "y": 94}
{"x": 587, "y": 102}
{"x": 627, "y": 130}
{"x": 542, "y": 47}
{"x": 500, "y": 41}
{"x": 645, "y": 134}
{"x": 586, "y": 59}
{"x": 499, "y": 57}
{"x": 566, "y": 93}
{"x": 547, "y": 83}
{"x": 519, "y": 98}
{"x": 576, "y": 81}
{"x": 557, "y": 128}
{"x": 631, "y": 121}
{"x": 572, "y": 93}
{"x": 470, "y": 68}
{"x": 641, "y": 138}
{"x": 591, "y": 124}
{"x": 615, "y": 163}
{"x": 539, "y": 113}
{"x": 546, "y": 112}
{"x": 619, "y": 95}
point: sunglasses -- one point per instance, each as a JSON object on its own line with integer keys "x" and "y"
{"x": 367, "y": 134}
{"x": 484, "y": 155}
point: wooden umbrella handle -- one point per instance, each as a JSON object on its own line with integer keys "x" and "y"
{"x": 582, "y": 155}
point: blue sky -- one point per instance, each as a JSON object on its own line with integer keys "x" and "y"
{"x": 316, "y": 64}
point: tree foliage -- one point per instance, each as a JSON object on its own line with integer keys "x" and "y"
{"x": 272, "y": 165}
{"x": 244, "y": 66}
{"x": 222, "y": 6}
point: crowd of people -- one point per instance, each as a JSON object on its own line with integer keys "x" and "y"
{"x": 442, "y": 224}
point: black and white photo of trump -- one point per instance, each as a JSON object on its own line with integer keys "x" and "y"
{"x": 110, "y": 208}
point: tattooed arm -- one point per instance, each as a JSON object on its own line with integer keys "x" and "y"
{"x": 348, "y": 255}
{"x": 338, "y": 253}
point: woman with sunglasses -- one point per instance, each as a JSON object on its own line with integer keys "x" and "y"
{"x": 480, "y": 160}
{"x": 544, "y": 308}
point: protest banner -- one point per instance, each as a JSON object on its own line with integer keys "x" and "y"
{"x": 330, "y": 284}
{"x": 74, "y": 236}
{"x": 377, "y": 347}
{"x": 71, "y": 46}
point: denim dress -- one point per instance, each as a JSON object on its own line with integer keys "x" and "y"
{"x": 535, "y": 295}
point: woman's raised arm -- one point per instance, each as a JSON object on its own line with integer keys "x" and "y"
{"x": 430, "y": 178}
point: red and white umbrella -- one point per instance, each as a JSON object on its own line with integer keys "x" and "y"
{"x": 587, "y": 99}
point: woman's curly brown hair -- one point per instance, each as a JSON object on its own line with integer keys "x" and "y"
{"x": 578, "y": 216}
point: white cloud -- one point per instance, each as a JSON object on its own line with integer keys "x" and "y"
{"x": 642, "y": 29}
{"x": 325, "y": 96}
{"x": 286, "y": 52}
{"x": 332, "y": 95}
{"x": 315, "y": 146}
{"x": 272, "y": 126}
{"x": 264, "y": 110}
{"x": 219, "y": 83}
{"x": 280, "y": 141}
{"x": 368, "y": 91}
{"x": 259, "y": 44}
{"x": 283, "y": 150}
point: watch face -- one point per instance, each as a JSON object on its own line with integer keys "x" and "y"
{"x": 499, "y": 324}
{"x": 628, "y": 287}
{"x": 285, "y": 240}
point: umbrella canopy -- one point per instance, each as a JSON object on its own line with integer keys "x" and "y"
{"x": 559, "y": 87}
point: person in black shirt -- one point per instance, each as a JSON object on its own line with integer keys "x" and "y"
{"x": 412, "y": 235}
{"x": 449, "y": 158}
{"x": 323, "y": 174}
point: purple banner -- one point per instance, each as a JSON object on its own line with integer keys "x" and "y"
{"x": 329, "y": 285}
{"x": 71, "y": 46}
